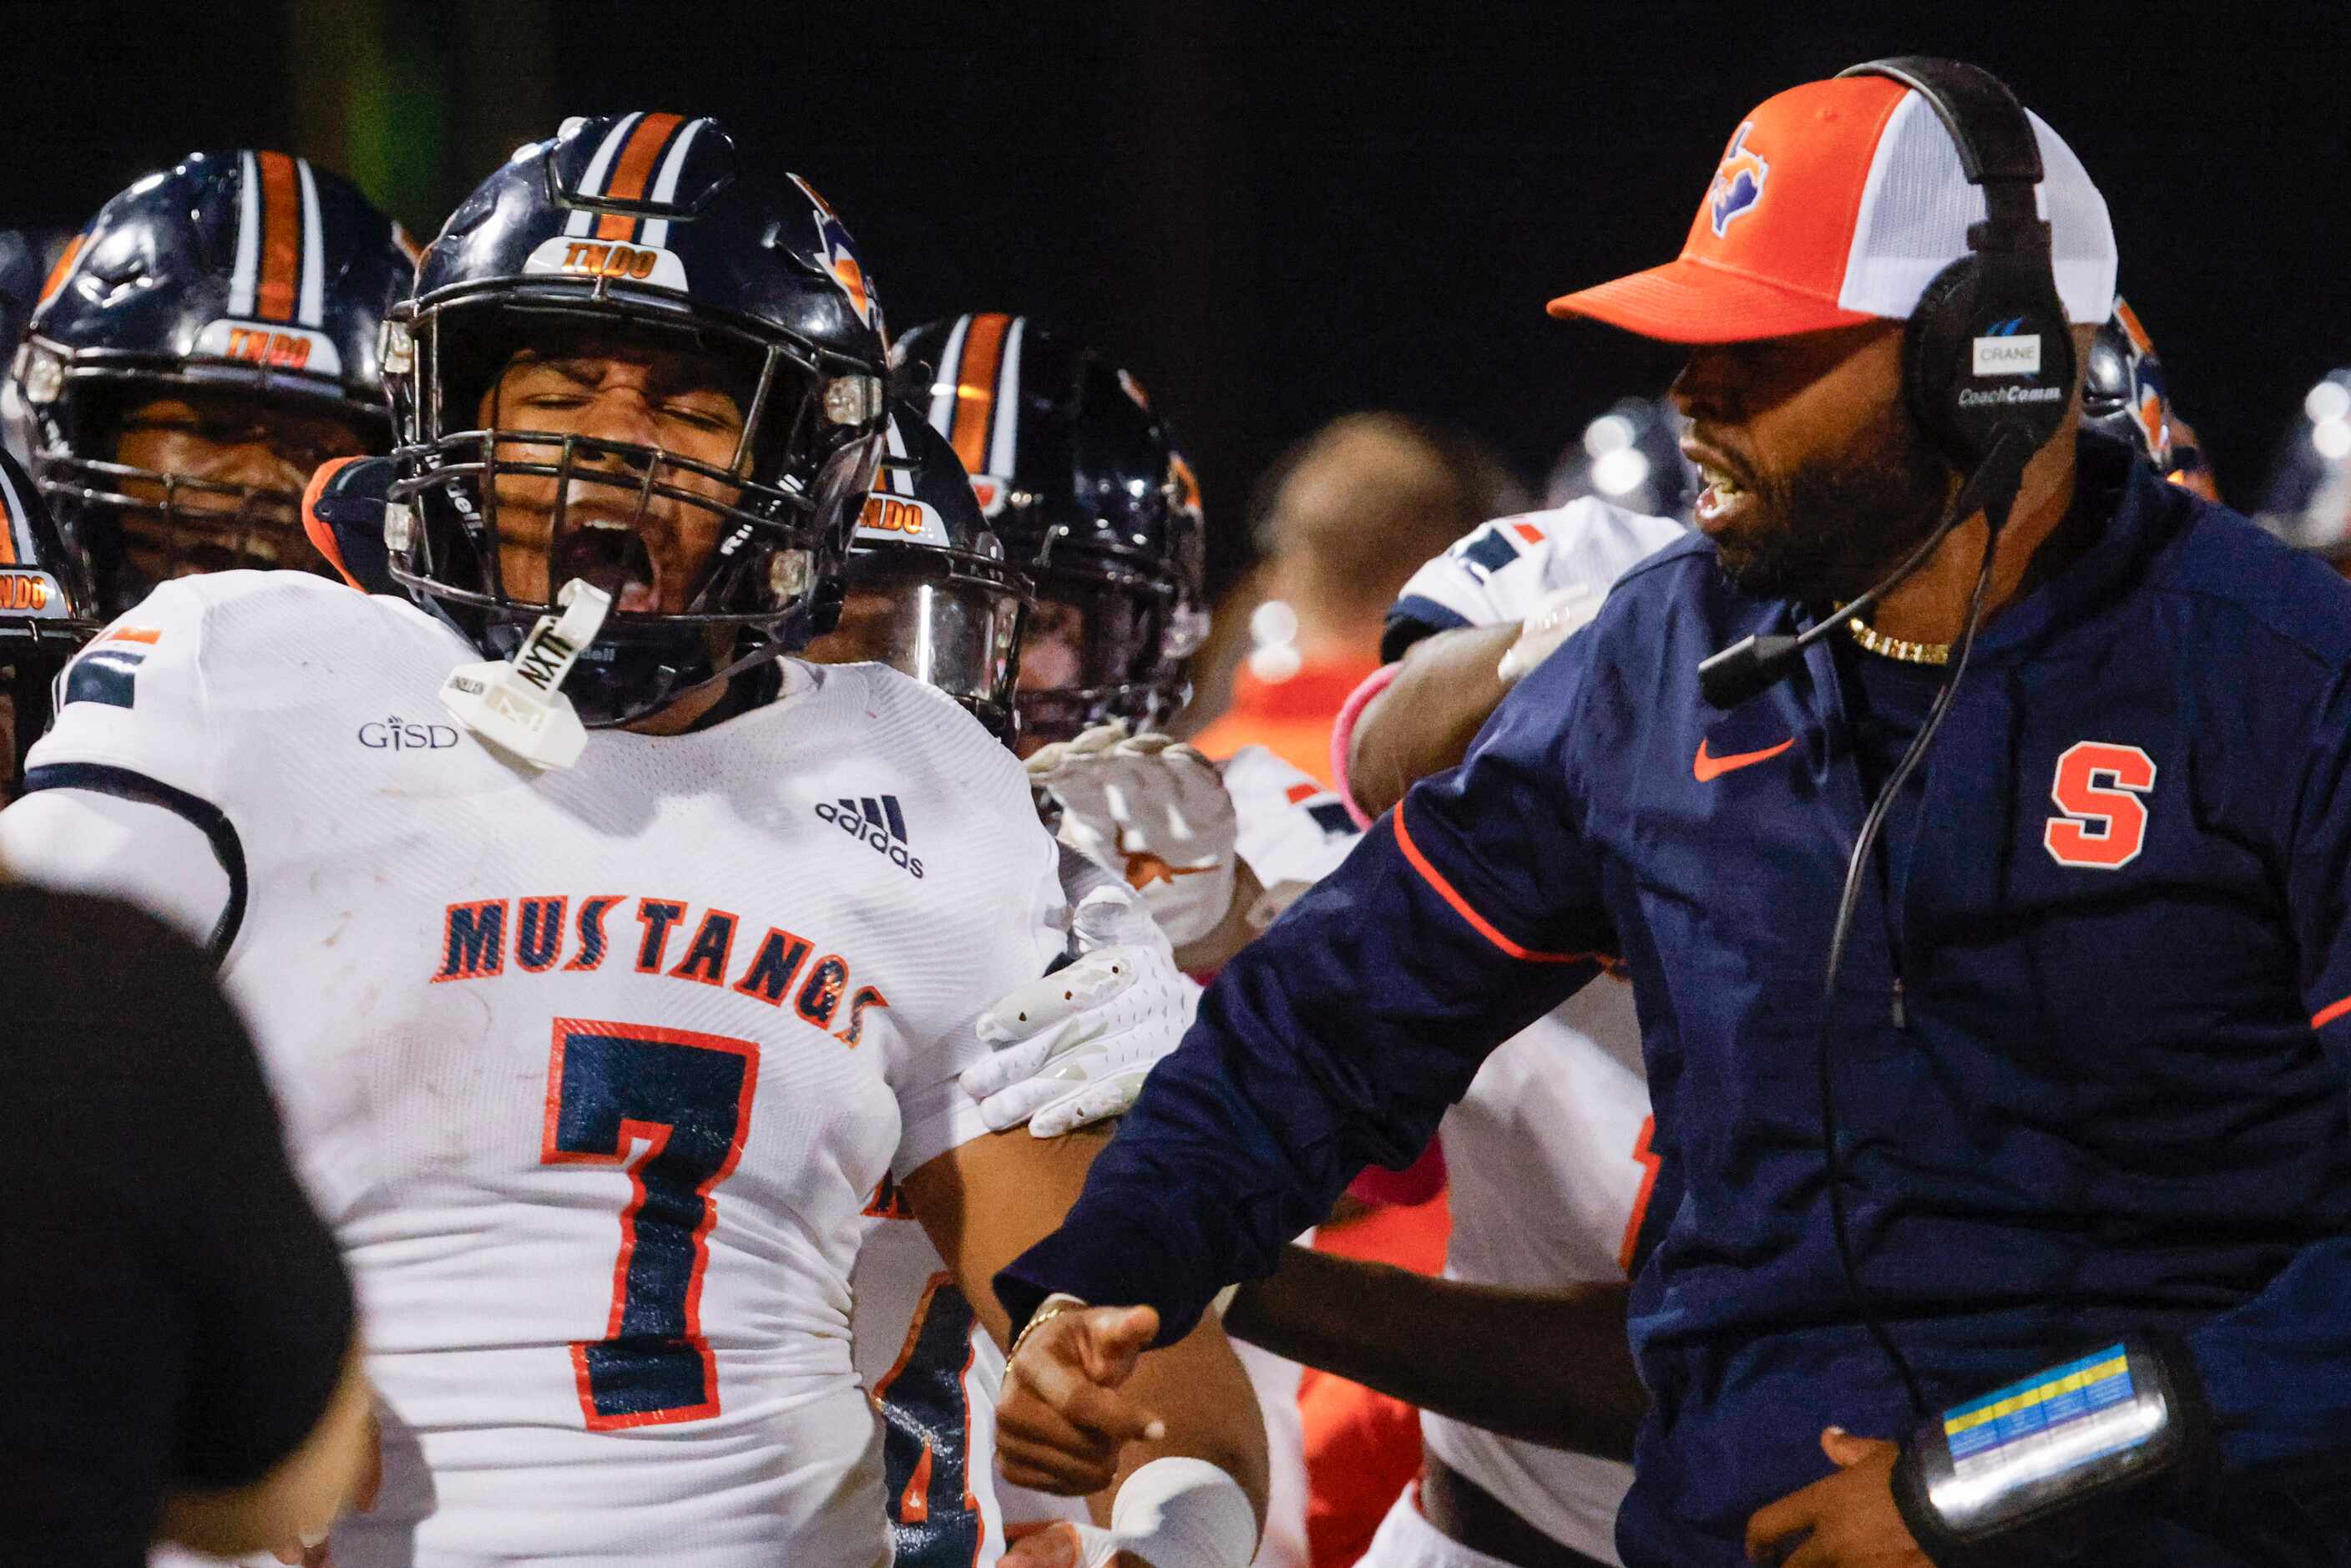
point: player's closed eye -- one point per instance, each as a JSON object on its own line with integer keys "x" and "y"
{"x": 701, "y": 416}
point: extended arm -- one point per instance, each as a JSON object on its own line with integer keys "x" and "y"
{"x": 1454, "y": 1347}
{"x": 986, "y": 1200}
{"x": 1339, "y": 1038}
{"x": 1443, "y": 691}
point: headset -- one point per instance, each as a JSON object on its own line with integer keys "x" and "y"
{"x": 1987, "y": 372}
{"x": 1987, "y": 356}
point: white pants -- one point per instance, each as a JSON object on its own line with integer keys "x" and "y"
{"x": 1406, "y": 1539}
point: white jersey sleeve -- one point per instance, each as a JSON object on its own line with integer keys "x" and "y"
{"x": 1292, "y": 828}
{"x": 1497, "y": 573}
{"x": 135, "y": 699}
{"x": 129, "y": 791}
{"x": 82, "y": 840}
{"x": 1025, "y": 886}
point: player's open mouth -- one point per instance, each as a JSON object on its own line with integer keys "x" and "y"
{"x": 610, "y": 554}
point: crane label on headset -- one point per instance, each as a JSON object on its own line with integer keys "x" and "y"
{"x": 2005, "y": 351}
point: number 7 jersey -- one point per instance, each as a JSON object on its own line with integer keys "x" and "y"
{"x": 594, "y": 1071}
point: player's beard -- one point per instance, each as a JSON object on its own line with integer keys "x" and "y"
{"x": 1838, "y": 522}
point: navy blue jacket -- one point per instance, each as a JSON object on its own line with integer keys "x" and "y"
{"x": 2115, "y": 1091}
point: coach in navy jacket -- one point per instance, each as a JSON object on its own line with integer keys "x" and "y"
{"x": 2091, "y": 1035}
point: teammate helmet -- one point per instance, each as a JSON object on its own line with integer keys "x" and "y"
{"x": 40, "y": 614}
{"x": 1082, "y": 481}
{"x": 2308, "y": 504}
{"x": 2123, "y": 392}
{"x": 247, "y": 272}
{"x": 42, "y": 623}
{"x": 1630, "y": 457}
{"x": 20, "y": 288}
{"x": 648, "y": 228}
{"x": 928, "y": 591}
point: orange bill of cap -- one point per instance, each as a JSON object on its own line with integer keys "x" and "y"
{"x": 1767, "y": 254}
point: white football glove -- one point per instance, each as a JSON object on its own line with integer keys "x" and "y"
{"x": 1557, "y": 616}
{"x": 1073, "y": 1047}
{"x": 1154, "y": 810}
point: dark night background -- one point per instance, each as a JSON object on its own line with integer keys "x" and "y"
{"x": 1272, "y": 214}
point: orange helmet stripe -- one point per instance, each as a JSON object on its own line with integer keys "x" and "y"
{"x": 2139, "y": 339}
{"x": 281, "y": 238}
{"x": 974, "y": 397}
{"x": 64, "y": 268}
{"x": 632, "y": 169}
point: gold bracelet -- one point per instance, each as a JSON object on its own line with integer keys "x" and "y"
{"x": 1051, "y": 1307}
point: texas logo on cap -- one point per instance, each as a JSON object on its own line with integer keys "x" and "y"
{"x": 1737, "y": 180}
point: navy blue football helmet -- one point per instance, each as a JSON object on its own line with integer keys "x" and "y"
{"x": 20, "y": 288}
{"x": 1630, "y": 457}
{"x": 648, "y": 229}
{"x": 929, "y": 591}
{"x": 247, "y": 273}
{"x": 2122, "y": 390}
{"x": 42, "y": 622}
{"x": 1084, "y": 485}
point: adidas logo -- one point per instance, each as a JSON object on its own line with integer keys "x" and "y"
{"x": 877, "y": 821}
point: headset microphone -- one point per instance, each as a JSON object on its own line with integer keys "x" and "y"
{"x": 1755, "y": 664}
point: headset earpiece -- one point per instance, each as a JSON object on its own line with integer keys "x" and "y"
{"x": 1988, "y": 351}
{"x": 1930, "y": 353}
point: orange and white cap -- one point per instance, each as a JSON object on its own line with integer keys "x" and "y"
{"x": 1836, "y": 202}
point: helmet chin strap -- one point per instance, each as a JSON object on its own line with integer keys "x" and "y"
{"x": 518, "y": 705}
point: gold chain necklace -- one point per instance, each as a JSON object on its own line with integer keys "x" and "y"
{"x": 1878, "y": 643}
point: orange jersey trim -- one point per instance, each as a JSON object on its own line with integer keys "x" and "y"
{"x": 1478, "y": 921}
{"x": 1647, "y": 1158}
{"x": 975, "y": 398}
{"x": 2327, "y": 1015}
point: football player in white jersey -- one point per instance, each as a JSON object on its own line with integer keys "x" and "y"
{"x": 176, "y": 387}
{"x": 1079, "y": 479}
{"x": 929, "y": 593}
{"x": 605, "y": 976}
{"x": 206, "y": 342}
{"x": 1546, "y": 1156}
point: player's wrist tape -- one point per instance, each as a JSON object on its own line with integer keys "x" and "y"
{"x": 1051, "y": 1307}
{"x": 2025, "y": 1472}
{"x": 1178, "y": 1513}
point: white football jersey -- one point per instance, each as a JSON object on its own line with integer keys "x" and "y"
{"x": 593, "y": 1071}
{"x": 1547, "y": 1165}
{"x": 1290, "y": 827}
{"x": 1501, "y": 570}
{"x": 934, "y": 1374}
{"x": 1547, "y": 1155}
